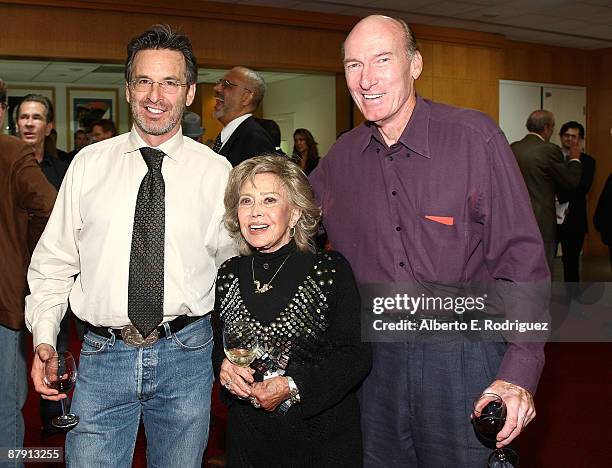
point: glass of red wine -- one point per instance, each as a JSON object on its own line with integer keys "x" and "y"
{"x": 488, "y": 420}
{"x": 60, "y": 374}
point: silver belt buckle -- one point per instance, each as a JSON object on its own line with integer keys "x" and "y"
{"x": 132, "y": 337}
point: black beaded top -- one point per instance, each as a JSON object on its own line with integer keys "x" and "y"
{"x": 287, "y": 319}
{"x": 312, "y": 314}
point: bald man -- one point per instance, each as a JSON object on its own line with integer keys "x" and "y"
{"x": 237, "y": 95}
{"x": 428, "y": 194}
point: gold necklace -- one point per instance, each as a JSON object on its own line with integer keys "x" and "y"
{"x": 259, "y": 288}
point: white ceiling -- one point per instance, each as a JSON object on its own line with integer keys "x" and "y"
{"x": 82, "y": 73}
{"x": 586, "y": 24}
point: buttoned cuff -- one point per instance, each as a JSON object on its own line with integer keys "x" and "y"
{"x": 522, "y": 365}
{"x": 45, "y": 332}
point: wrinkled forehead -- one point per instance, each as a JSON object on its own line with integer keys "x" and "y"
{"x": 162, "y": 62}
{"x": 262, "y": 182}
{"x": 372, "y": 37}
{"x": 32, "y": 108}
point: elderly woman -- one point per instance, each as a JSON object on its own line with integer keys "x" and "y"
{"x": 304, "y": 307}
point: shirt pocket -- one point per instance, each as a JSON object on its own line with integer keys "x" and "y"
{"x": 441, "y": 250}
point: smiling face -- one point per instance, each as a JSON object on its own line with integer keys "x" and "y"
{"x": 157, "y": 114}
{"x": 32, "y": 123}
{"x": 232, "y": 101}
{"x": 379, "y": 74}
{"x": 265, "y": 213}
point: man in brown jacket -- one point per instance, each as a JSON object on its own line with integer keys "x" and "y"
{"x": 26, "y": 201}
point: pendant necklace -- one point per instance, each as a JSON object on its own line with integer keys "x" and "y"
{"x": 262, "y": 288}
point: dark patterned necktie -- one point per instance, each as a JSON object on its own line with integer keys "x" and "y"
{"x": 217, "y": 145}
{"x": 146, "y": 283}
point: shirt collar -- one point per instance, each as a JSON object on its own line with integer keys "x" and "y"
{"x": 227, "y": 131}
{"x": 172, "y": 148}
{"x": 415, "y": 136}
{"x": 538, "y": 135}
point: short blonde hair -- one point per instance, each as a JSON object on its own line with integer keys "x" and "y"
{"x": 299, "y": 194}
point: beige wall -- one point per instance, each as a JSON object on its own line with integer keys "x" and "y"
{"x": 310, "y": 100}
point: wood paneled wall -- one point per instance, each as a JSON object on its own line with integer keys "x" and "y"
{"x": 461, "y": 67}
{"x": 599, "y": 130}
{"x": 545, "y": 64}
{"x": 223, "y": 35}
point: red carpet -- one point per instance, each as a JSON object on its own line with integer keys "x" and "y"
{"x": 572, "y": 427}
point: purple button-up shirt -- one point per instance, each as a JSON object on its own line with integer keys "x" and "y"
{"x": 445, "y": 203}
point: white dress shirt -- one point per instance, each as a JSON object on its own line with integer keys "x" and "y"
{"x": 231, "y": 127}
{"x": 89, "y": 235}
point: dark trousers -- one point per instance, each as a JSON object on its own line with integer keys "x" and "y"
{"x": 417, "y": 401}
{"x": 571, "y": 244}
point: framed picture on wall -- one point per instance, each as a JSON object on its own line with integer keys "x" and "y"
{"x": 16, "y": 95}
{"x": 87, "y": 105}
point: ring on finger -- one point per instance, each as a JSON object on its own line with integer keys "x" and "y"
{"x": 228, "y": 384}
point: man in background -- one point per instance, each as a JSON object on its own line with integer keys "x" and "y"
{"x": 274, "y": 131}
{"x": 191, "y": 125}
{"x": 103, "y": 129}
{"x": 238, "y": 94}
{"x": 26, "y": 201}
{"x": 573, "y": 224}
{"x": 546, "y": 173}
{"x": 81, "y": 140}
{"x": 34, "y": 123}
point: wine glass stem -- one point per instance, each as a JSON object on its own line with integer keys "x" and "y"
{"x": 63, "y": 401}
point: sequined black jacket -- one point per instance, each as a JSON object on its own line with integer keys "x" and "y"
{"x": 312, "y": 314}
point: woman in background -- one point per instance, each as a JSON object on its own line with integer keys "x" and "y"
{"x": 305, "y": 150}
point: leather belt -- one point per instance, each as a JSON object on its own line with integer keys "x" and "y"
{"x": 131, "y": 337}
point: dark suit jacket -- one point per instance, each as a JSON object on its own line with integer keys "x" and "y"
{"x": 603, "y": 213}
{"x": 26, "y": 201}
{"x": 545, "y": 173}
{"x": 248, "y": 140}
{"x": 576, "y": 219}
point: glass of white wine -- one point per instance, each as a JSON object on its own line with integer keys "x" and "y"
{"x": 240, "y": 343}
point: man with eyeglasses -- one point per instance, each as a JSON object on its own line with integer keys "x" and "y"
{"x": 573, "y": 225}
{"x": 237, "y": 95}
{"x": 26, "y": 201}
{"x": 139, "y": 223}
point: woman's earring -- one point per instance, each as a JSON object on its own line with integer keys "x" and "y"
{"x": 292, "y": 231}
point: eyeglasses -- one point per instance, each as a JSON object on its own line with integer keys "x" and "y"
{"x": 167, "y": 86}
{"x": 228, "y": 84}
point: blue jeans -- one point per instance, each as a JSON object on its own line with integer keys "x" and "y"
{"x": 13, "y": 375}
{"x": 168, "y": 383}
